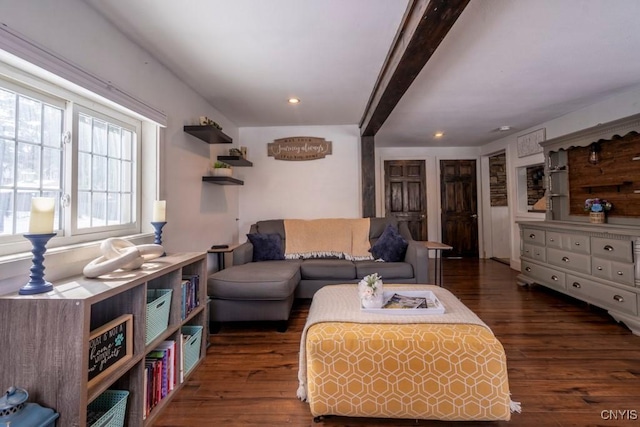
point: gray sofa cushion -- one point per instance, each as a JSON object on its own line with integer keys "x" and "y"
{"x": 377, "y": 226}
{"x": 325, "y": 268}
{"x": 266, "y": 280}
{"x": 388, "y": 270}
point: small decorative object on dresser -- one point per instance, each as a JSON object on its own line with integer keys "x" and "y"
{"x": 597, "y": 208}
{"x": 371, "y": 292}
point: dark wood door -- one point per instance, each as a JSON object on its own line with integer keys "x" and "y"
{"x": 405, "y": 194}
{"x": 458, "y": 189}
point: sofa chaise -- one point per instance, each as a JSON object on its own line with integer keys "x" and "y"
{"x": 287, "y": 259}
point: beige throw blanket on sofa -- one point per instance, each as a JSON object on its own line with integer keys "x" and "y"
{"x": 333, "y": 237}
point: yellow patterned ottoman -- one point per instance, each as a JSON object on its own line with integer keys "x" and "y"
{"x": 443, "y": 367}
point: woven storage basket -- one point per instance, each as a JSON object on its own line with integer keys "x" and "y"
{"x": 596, "y": 217}
{"x": 191, "y": 350}
{"x": 158, "y": 307}
{"x": 108, "y": 409}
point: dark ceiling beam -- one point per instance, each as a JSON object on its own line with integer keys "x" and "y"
{"x": 424, "y": 25}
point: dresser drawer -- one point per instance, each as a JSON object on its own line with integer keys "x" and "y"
{"x": 553, "y": 239}
{"x": 615, "y": 271}
{"x": 619, "y": 250}
{"x": 530, "y": 235}
{"x": 546, "y": 276}
{"x": 571, "y": 242}
{"x": 602, "y": 295}
{"x": 534, "y": 252}
{"x": 570, "y": 260}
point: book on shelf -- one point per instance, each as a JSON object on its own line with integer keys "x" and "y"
{"x": 408, "y": 302}
{"x": 169, "y": 347}
{"x": 162, "y": 359}
{"x": 190, "y": 291}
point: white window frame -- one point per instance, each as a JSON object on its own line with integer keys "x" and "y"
{"x": 45, "y": 99}
{"x": 69, "y": 235}
{"x": 126, "y": 122}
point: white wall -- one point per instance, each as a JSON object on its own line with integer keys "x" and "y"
{"x": 322, "y": 188}
{"x": 197, "y": 213}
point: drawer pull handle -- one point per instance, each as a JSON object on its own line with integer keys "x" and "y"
{"x": 620, "y": 273}
{"x": 551, "y": 239}
{"x": 599, "y": 268}
{"x": 532, "y": 236}
{"x": 565, "y": 259}
{"x": 554, "y": 277}
{"x": 528, "y": 269}
{"x": 618, "y": 298}
{"x": 577, "y": 285}
{"x": 608, "y": 248}
{"x": 577, "y": 243}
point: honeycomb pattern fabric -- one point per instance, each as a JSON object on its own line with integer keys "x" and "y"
{"x": 418, "y": 371}
{"x": 441, "y": 366}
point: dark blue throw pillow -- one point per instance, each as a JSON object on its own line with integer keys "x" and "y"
{"x": 391, "y": 246}
{"x": 266, "y": 247}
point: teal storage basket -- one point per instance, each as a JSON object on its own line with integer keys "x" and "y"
{"x": 158, "y": 308}
{"x": 108, "y": 409}
{"x": 191, "y": 349}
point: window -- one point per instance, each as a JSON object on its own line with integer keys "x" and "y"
{"x": 106, "y": 171}
{"x": 85, "y": 158}
{"x": 30, "y": 154}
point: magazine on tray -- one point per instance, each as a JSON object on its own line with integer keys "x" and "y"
{"x": 404, "y": 301}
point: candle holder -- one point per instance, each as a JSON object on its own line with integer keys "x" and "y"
{"x": 37, "y": 284}
{"x": 158, "y": 234}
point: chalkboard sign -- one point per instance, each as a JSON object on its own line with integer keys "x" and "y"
{"x": 110, "y": 346}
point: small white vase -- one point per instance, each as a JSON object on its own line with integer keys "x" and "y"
{"x": 221, "y": 171}
{"x": 375, "y": 302}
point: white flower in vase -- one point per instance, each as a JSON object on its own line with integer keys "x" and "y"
{"x": 370, "y": 290}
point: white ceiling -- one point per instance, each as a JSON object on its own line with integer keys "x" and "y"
{"x": 504, "y": 62}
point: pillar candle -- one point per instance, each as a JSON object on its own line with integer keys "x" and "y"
{"x": 42, "y": 213}
{"x": 159, "y": 211}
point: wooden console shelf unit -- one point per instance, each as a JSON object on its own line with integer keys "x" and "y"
{"x": 208, "y": 134}
{"x": 222, "y": 180}
{"x": 46, "y": 336}
{"x": 235, "y": 161}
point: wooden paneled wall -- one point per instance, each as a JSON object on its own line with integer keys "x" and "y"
{"x": 614, "y": 178}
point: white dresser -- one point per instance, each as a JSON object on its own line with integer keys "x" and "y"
{"x": 594, "y": 263}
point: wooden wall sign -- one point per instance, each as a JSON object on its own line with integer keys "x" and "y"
{"x": 299, "y": 148}
{"x": 110, "y": 346}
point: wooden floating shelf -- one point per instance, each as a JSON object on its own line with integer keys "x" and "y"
{"x": 222, "y": 180}
{"x": 208, "y": 134}
{"x": 611, "y": 184}
{"x": 235, "y": 161}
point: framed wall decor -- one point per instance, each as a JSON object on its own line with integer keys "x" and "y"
{"x": 529, "y": 143}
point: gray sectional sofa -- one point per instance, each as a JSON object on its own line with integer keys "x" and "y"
{"x": 265, "y": 290}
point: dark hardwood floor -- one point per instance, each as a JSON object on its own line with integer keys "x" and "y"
{"x": 570, "y": 364}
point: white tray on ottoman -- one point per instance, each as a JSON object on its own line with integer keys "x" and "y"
{"x": 409, "y": 306}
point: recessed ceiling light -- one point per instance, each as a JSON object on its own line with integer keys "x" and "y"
{"x": 438, "y": 134}
{"x": 504, "y": 128}
{"x": 294, "y": 100}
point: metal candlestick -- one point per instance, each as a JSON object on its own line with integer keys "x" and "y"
{"x": 37, "y": 284}
{"x": 158, "y": 233}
